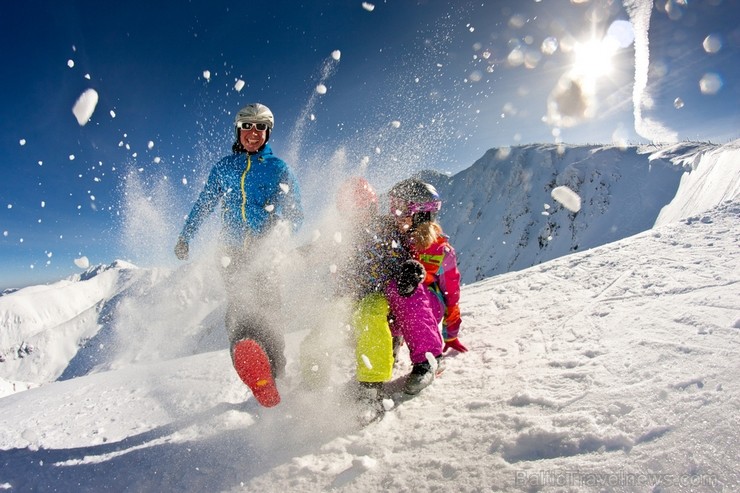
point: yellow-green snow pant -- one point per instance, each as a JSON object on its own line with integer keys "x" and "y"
{"x": 374, "y": 344}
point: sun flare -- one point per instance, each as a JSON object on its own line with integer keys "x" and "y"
{"x": 595, "y": 58}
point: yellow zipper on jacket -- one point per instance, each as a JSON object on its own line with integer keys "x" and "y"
{"x": 244, "y": 191}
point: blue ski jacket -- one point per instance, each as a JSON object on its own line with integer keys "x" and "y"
{"x": 255, "y": 191}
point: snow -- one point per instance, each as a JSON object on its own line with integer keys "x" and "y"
{"x": 623, "y": 191}
{"x": 84, "y": 107}
{"x": 321, "y": 89}
{"x": 567, "y": 197}
{"x": 613, "y": 368}
{"x": 82, "y": 262}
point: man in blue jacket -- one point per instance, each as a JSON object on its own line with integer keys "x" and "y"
{"x": 256, "y": 190}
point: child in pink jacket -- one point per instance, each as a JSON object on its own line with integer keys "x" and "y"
{"x": 421, "y": 298}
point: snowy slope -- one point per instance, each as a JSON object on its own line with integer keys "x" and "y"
{"x": 44, "y": 326}
{"x": 614, "y": 369}
{"x": 108, "y": 316}
{"x": 714, "y": 177}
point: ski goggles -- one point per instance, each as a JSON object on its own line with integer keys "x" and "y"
{"x": 400, "y": 208}
{"x": 250, "y": 125}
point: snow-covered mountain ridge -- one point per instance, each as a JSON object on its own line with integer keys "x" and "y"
{"x": 501, "y": 216}
{"x": 44, "y": 326}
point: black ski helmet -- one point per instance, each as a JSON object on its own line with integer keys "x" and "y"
{"x": 415, "y": 198}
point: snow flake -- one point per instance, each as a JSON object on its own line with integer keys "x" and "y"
{"x": 395, "y": 124}
{"x": 207, "y": 75}
{"x": 71, "y": 157}
{"x": 285, "y": 187}
{"x": 85, "y": 106}
{"x": 269, "y": 207}
{"x": 567, "y": 197}
{"x": 70, "y": 63}
{"x": 112, "y": 114}
{"x": 431, "y": 360}
{"x": 321, "y": 89}
{"x": 150, "y": 145}
{"x": 239, "y": 85}
{"x": 336, "y": 55}
{"x": 368, "y": 6}
{"x": 22, "y": 142}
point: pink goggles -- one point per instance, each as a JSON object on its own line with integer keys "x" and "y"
{"x": 400, "y": 208}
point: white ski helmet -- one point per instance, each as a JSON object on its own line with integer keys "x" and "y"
{"x": 255, "y": 113}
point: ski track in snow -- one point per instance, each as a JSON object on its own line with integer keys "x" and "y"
{"x": 618, "y": 360}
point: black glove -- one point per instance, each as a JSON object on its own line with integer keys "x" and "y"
{"x": 181, "y": 249}
{"x": 410, "y": 275}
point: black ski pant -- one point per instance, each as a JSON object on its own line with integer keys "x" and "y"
{"x": 253, "y": 307}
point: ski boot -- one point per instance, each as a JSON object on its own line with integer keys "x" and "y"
{"x": 369, "y": 399}
{"x": 253, "y": 367}
{"x": 422, "y": 375}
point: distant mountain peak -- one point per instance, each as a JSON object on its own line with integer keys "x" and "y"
{"x": 99, "y": 269}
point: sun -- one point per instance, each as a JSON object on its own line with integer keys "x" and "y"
{"x": 594, "y": 58}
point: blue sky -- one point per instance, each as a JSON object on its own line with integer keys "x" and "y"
{"x": 411, "y": 85}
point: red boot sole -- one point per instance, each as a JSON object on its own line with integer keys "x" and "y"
{"x": 253, "y": 367}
